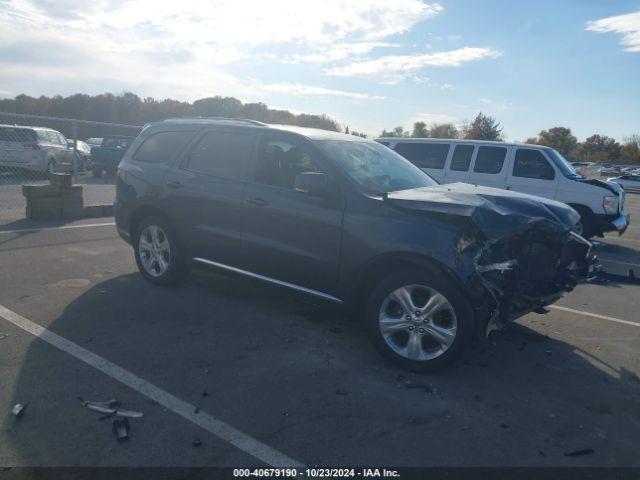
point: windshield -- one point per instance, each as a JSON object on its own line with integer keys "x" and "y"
{"x": 375, "y": 168}
{"x": 565, "y": 167}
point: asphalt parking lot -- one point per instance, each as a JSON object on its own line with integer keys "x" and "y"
{"x": 231, "y": 372}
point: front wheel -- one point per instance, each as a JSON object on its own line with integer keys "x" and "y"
{"x": 159, "y": 254}
{"x": 419, "y": 321}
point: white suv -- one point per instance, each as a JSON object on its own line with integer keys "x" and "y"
{"x": 34, "y": 148}
{"x": 531, "y": 169}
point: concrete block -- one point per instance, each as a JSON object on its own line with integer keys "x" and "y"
{"x": 62, "y": 179}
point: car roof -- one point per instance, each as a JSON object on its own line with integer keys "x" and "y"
{"x": 27, "y": 127}
{"x": 310, "y": 133}
{"x": 456, "y": 140}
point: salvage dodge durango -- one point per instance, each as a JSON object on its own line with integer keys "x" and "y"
{"x": 427, "y": 267}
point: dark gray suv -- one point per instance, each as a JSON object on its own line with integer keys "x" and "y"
{"x": 427, "y": 267}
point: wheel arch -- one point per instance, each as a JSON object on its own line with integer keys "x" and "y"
{"x": 143, "y": 211}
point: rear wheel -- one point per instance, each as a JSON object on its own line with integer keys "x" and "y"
{"x": 419, "y": 321}
{"x": 159, "y": 254}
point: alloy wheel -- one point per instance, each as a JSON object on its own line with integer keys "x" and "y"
{"x": 417, "y": 322}
{"x": 154, "y": 250}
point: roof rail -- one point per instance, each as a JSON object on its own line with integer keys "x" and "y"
{"x": 244, "y": 120}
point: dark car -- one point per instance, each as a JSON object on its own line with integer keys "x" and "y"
{"x": 427, "y": 267}
{"x": 107, "y": 156}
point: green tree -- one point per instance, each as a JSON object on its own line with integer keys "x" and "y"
{"x": 597, "y": 148}
{"x": 443, "y": 130}
{"x": 630, "y": 150}
{"x": 419, "y": 130}
{"x": 483, "y": 127}
{"x": 559, "y": 138}
{"x": 396, "y": 132}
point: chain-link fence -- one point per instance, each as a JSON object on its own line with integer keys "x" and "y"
{"x": 31, "y": 146}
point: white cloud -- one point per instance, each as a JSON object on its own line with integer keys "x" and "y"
{"x": 446, "y": 86}
{"x": 188, "y": 48}
{"x": 306, "y": 90}
{"x": 402, "y": 64}
{"x": 626, "y": 25}
{"x": 430, "y": 118}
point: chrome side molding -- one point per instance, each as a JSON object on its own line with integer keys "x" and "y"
{"x": 264, "y": 278}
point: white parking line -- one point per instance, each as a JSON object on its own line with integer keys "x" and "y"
{"x": 186, "y": 410}
{"x": 594, "y": 315}
{"x": 64, "y": 227}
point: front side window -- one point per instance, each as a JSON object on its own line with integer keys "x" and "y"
{"x": 375, "y": 168}
{"x": 490, "y": 159}
{"x": 461, "y": 158}
{"x": 424, "y": 155}
{"x": 222, "y": 154}
{"x": 161, "y": 147}
{"x": 279, "y": 163}
{"x": 532, "y": 164}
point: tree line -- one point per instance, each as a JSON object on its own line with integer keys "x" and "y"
{"x": 128, "y": 108}
{"x": 596, "y": 148}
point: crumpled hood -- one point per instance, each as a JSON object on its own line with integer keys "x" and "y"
{"x": 496, "y": 212}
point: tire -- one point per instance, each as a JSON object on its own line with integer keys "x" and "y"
{"x": 586, "y": 227}
{"x": 97, "y": 172}
{"x": 453, "y": 322}
{"x": 157, "y": 264}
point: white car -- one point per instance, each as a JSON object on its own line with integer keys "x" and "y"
{"x": 34, "y": 148}
{"x": 525, "y": 168}
{"x": 630, "y": 182}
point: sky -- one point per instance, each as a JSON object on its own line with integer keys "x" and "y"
{"x": 369, "y": 64}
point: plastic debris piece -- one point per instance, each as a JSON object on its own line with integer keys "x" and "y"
{"x": 341, "y": 392}
{"x": 121, "y": 429}
{"x": 110, "y": 408}
{"x": 196, "y": 442}
{"x": 18, "y": 410}
{"x": 3, "y": 336}
{"x": 580, "y": 453}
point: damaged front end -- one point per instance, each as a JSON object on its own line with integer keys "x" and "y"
{"x": 518, "y": 250}
{"x": 529, "y": 270}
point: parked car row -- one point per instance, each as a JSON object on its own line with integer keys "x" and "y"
{"x": 47, "y": 150}
{"x": 427, "y": 267}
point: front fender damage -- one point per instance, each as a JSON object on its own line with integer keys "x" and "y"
{"x": 527, "y": 270}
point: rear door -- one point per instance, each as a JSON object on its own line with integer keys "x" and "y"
{"x": 291, "y": 236}
{"x": 459, "y": 163}
{"x": 430, "y": 157}
{"x": 204, "y": 193}
{"x": 489, "y": 166}
{"x": 532, "y": 173}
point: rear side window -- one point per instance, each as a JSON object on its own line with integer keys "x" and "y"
{"x": 490, "y": 159}
{"x": 424, "y": 155}
{"x": 461, "y": 158}
{"x": 22, "y": 135}
{"x": 161, "y": 147}
{"x": 52, "y": 137}
{"x": 532, "y": 164}
{"x": 222, "y": 154}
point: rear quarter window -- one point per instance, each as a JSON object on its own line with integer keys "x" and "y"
{"x": 162, "y": 147}
{"x": 490, "y": 160}
{"x": 424, "y": 155}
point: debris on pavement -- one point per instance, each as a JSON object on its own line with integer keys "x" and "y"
{"x": 205, "y": 394}
{"x": 196, "y": 442}
{"x": 580, "y": 453}
{"x": 18, "y": 410}
{"x": 110, "y": 408}
{"x": 341, "y": 392}
{"x": 3, "y": 336}
{"x": 121, "y": 429}
{"x": 428, "y": 389}
{"x": 336, "y": 330}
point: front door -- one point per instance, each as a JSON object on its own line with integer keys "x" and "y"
{"x": 291, "y": 236}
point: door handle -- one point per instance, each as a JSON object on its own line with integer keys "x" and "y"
{"x": 260, "y": 202}
{"x": 175, "y": 184}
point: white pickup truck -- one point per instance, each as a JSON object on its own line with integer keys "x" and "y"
{"x": 531, "y": 169}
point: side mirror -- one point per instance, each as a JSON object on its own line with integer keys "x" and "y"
{"x": 312, "y": 183}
